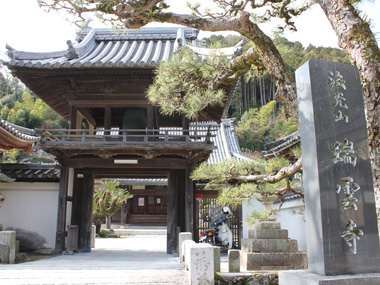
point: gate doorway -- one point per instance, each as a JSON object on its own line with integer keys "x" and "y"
{"x": 206, "y": 201}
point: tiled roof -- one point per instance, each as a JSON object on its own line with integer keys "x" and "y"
{"x": 275, "y": 148}
{"x": 144, "y": 47}
{"x": 21, "y": 133}
{"x": 32, "y": 172}
{"x": 225, "y": 141}
{"x": 16, "y": 137}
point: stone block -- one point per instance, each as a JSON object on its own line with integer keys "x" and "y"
{"x": 72, "y": 238}
{"x": 9, "y": 238}
{"x": 252, "y": 234}
{"x": 268, "y": 245}
{"x": 267, "y": 225}
{"x": 271, "y": 234}
{"x": 234, "y": 260}
{"x": 256, "y": 261}
{"x": 216, "y": 258}
{"x": 201, "y": 264}
{"x": 185, "y": 258}
{"x": 4, "y": 253}
{"x": 93, "y": 236}
{"x": 182, "y": 237}
{"x": 301, "y": 277}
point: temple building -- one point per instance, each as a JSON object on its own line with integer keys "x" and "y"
{"x": 99, "y": 85}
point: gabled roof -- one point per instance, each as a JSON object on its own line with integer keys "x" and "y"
{"x": 106, "y": 48}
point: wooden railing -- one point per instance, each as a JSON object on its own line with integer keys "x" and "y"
{"x": 126, "y": 136}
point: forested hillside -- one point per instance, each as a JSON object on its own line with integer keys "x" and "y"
{"x": 259, "y": 118}
{"x": 21, "y": 106}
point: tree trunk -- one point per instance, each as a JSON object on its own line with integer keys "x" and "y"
{"x": 356, "y": 38}
{"x": 123, "y": 215}
{"x": 108, "y": 222}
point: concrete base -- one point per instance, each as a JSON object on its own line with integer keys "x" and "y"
{"x": 302, "y": 277}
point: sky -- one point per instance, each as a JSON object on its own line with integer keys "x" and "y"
{"x": 24, "y": 26}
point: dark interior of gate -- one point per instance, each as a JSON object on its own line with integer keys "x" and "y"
{"x": 100, "y": 86}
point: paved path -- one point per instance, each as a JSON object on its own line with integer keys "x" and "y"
{"x": 132, "y": 260}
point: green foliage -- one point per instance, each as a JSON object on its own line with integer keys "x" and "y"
{"x": 11, "y": 156}
{"x": 182, "y": 84}
{"x": 232, "y": 192}
{"x": 20, "y": 106}
{"x": 259, "y": 216}
{"x": 259, "y": 126}
{"x": 294, "y": 54}
{"x": 108, "y": 200}
{"x": 220, "y": 41}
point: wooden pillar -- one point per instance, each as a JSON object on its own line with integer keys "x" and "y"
{"x": 61, "y": 215}
{"x": 107, "y": 118}
{"x": 150, "y": 117}
{"x": 181, "y": 190}
{"x": 76, "y": 211}
{"x": 172, "y": 222}
{"x": 73, "y": 117}
{"x": 189, "y": 202}
{"x": 86, "y": 213}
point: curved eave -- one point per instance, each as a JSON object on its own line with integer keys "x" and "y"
{"x": 9, "y": 142}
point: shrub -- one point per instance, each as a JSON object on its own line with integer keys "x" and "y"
{"x": 29, "y": 241}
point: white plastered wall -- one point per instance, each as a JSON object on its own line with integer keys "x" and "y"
{"x": 31, "y": 206}
{"x": 291, "y": 217}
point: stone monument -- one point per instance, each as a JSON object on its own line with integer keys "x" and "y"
{"x": 341, "y": 225}
{"x": 269, "y": 248}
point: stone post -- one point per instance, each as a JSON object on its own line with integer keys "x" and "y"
{"x": 216, "y": 258}
{"x": 234, "y": 260}
{"x": 93, "y": 236}
{"x": 9, "y": 238}
{"x": 182, "y": 237}
{"x": 201, "y": 264}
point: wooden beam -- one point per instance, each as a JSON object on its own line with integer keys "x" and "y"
{"x": 155, "y": 163}
{"x": 101, "y": 103}
{"x": 61, "y": 215}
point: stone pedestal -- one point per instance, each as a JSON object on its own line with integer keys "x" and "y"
{"x": 268, "y": 248}
{"x": 302, "y": 277}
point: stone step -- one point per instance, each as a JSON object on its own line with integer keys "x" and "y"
{"x": 277, "y": 268}
{"x": 268, "y": 234}
{"x": 269, "y": 245}
{"x": 135, "y": 232}
{"x": 255, "y": 261}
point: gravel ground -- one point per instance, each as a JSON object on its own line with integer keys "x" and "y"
{"x": 132, "y": 260}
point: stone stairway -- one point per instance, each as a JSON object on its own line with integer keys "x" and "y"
{"x": 130, "y": 230}
{"x": 269, "y": 248}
